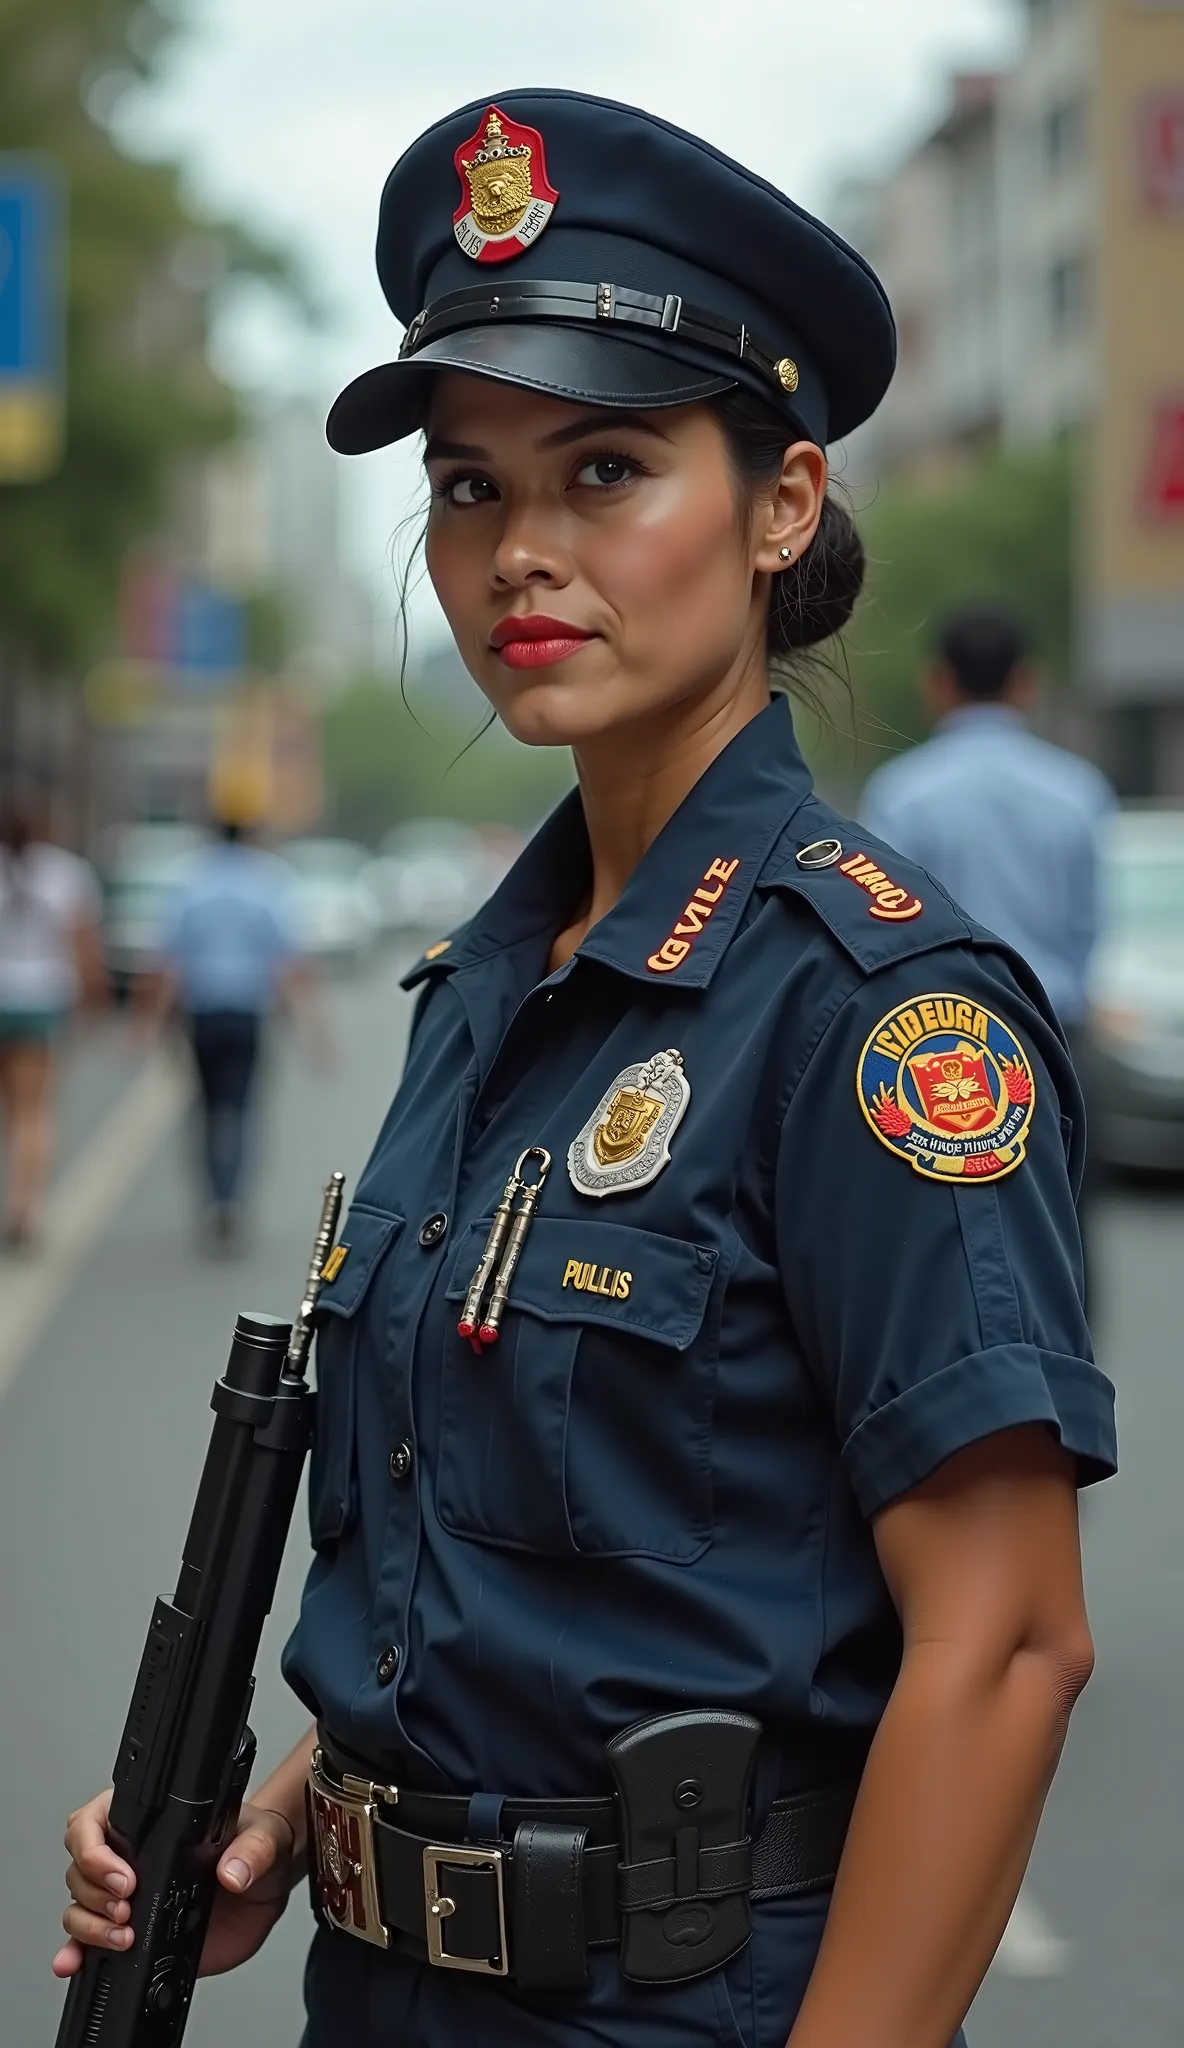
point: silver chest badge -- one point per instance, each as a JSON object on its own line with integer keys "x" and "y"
{"x": 626, "y": 1140}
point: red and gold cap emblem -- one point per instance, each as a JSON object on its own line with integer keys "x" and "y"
{"x": 506, "y": 200}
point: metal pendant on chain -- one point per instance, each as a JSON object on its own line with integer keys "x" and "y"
{"x": 480, "y": 1322}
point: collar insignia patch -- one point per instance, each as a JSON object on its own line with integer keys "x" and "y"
{"x": 673, "y": 951}
{"x": 894, "y": 905}
{"x": 434, "y": 952}
{"x": 626, "y": 1141}
{"x": 506, "y": 200}
{"x": 948, "y": 1086}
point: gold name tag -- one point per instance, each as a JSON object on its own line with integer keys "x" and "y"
{"x": 606, "y": 1280}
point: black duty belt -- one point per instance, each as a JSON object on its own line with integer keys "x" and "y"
{"x": 524, "y": 1888}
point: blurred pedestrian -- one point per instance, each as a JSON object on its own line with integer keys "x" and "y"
{"x": 1009, "y": 823}
{"x": 50, "y": 963}
{"x": 230, "y": 957}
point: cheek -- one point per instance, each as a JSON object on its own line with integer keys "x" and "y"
{"x": 676, "y": 569}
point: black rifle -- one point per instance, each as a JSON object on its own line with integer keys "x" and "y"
{"x": 187, "y": 1752}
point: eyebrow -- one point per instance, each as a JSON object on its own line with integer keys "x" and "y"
{"x": 598, "y": 422}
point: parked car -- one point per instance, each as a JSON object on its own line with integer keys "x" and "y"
{"x": 141, "y": 867}
{"x": 430, "y": 874}
{"x": 337, "y": 914}
{"x": 1137, "y": 994}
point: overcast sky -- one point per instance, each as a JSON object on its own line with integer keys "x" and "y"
{"x": 291, "y": 112}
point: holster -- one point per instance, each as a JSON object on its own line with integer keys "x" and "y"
{"x": 684, "y": 1783}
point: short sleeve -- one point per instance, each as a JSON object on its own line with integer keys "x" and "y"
{"x": 927, "y": 1235}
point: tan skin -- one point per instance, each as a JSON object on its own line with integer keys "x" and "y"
{"x": 943, "y": 692}
{"x": 28, "y": 1072}
{"x": 633, "y": 532}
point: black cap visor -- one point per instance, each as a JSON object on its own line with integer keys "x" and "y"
{"x": 585, "y": 367}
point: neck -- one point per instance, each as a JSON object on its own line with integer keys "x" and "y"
{"x": 632, "y": 781}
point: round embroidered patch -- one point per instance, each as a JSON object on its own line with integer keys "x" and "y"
{"x": 949, "y": 1087}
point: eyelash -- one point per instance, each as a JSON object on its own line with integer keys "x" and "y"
{"x": 444, "y": 486}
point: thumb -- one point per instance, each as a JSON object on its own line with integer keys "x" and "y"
{"x": 251, "y": 1854}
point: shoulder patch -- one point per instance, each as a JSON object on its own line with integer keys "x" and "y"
{"x": 881, "y": 907}
{"x": 890, "y": 903}
{"x": 948, "y": 1086}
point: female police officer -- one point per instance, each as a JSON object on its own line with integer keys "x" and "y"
{"x": 704, "y": 1381}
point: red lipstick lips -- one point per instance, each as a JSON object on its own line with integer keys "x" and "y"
{"x": 536, "y": 641}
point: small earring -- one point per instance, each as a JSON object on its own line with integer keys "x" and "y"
{"x": 787, "y": 554}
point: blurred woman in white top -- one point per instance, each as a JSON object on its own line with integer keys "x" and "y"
{"x": 50, "y": 964}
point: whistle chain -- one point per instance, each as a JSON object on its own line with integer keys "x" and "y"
{"x": 503, "y": 1249}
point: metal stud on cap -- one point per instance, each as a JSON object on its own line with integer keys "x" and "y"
{"x": 822, "y": 854}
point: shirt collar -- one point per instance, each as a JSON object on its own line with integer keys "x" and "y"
{"x": 687, "y": 894}
{"x": 981, "y": 718}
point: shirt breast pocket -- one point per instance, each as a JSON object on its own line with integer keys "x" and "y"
{"x": 333, "y": 1468}
{"x": 586, "y": 1430}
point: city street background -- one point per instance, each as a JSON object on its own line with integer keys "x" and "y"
{"x": 104, "y": 1425}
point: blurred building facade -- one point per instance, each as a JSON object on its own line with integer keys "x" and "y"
{"x": 271, "y": 521}
{"x": 1033, "y": 248}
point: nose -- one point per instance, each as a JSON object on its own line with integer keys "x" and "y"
{"x": 529, "y": 550}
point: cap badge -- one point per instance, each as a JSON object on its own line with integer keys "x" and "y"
{"x": 506, "y": 200}
{"x": 787, "y": 373}
{"x": 949, "y": 1087}
{"x": 626, "y": 1141}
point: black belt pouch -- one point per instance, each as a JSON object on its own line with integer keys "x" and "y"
{"x": 684, "y": 1783}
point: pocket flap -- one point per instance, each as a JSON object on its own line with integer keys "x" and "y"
{"x": 594, "y": 1272}
{"x": 363, "y": 1241}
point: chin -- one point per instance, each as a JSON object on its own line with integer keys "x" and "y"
{"x": 549, "y": 710}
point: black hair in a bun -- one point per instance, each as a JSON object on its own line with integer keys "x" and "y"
{"x": 813, "y": 598}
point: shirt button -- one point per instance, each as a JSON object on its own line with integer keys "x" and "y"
{"x": 400, "y": 1461}
{"x": 388, "y": 1664}
{"x": 433, "y": 1230}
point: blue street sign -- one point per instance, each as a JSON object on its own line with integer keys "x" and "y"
{"x": 209, "y": 639}
{"x": 31, "y": 337}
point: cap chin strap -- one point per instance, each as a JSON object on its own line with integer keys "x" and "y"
{"x": 543, "y": 300}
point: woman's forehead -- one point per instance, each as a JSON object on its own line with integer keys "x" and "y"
{"x": 470, "y": 408}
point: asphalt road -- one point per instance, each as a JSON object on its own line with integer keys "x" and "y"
{"x": 113, "y": 1343}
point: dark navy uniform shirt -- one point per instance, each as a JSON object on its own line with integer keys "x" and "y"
{"x": 655, "y": 1491}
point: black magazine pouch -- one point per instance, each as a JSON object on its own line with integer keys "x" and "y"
{"x": 684, "y": 1783}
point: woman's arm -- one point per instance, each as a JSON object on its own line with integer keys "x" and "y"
{"x": 983, "y": 1561}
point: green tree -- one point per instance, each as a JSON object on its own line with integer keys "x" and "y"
{"x": 384, "y": 762}
{"x": 1002, "y": 531}
{"x": 143, "y": 273}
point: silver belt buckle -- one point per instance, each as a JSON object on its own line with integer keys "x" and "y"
{"x": 440, "y": 1907}
{"x": 343, "y": 1849}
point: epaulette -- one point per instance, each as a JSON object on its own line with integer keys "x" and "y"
{"x": 880, "y": 906}
{"x": 435, "y": 958}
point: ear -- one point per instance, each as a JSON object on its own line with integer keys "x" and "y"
{"x": 789, "y": 517}
{"x": 939, "y": 689}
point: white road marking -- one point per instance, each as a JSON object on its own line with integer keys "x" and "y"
{"x": 81, "y": 1204}
{"x": 1031, "y": 1946}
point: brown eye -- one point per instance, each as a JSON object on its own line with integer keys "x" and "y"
{"x": 606, "y": 472}
{"x": 467, "y": 490}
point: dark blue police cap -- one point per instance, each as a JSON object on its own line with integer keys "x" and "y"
{"x": 593, "y": 252}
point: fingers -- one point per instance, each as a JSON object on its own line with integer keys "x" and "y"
{"x": 252, "y": 1853}
{"x": 94, "y": 1930}
{"x": 95, "y": 1861}
{"x": 96, "y": 1898}
{"x": 68, "y": 1960}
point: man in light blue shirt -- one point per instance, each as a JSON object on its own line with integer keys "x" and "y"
{"x": 1007, "y": 822}
{"x": 230, "y": 955}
